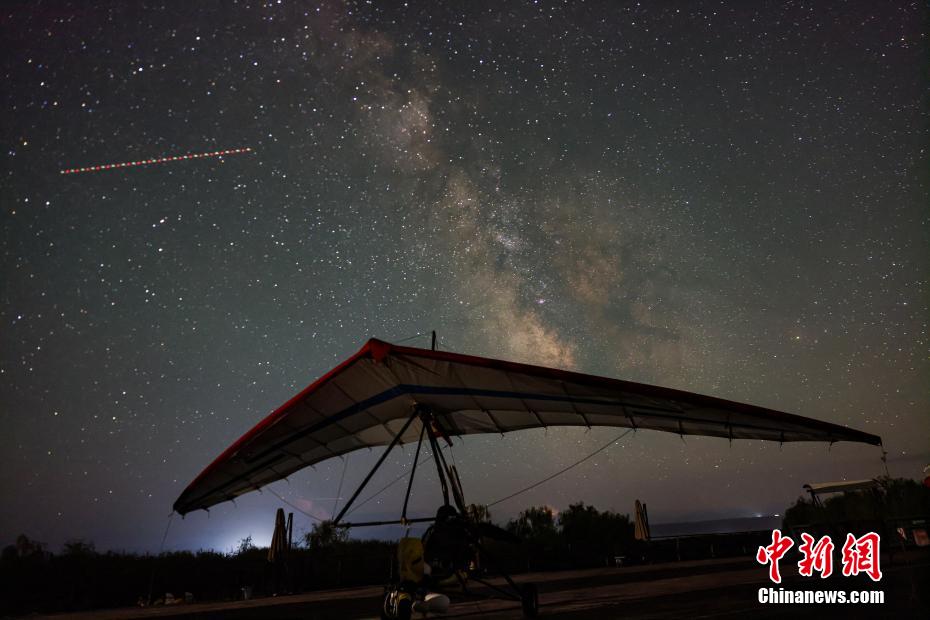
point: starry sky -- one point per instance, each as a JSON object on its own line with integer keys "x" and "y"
{"x": 724, "y": 197}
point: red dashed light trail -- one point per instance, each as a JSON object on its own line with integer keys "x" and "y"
{"x": 160, "y": 160}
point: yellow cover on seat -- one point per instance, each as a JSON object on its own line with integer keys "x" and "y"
{"x": 410, "y": 559}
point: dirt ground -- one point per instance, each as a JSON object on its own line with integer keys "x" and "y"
{"x": 693, "y": 590}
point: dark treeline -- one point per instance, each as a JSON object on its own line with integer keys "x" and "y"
{"x": 579, "y": 537}
{"x": 79, "y": 578}
{"x": 893, "y": 502}
{"x": 583, "y": 537}
{"x": 32, "y": 579}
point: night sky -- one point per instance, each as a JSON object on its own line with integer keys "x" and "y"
{"x": 727, "y": 198}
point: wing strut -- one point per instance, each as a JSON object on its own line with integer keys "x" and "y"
{"x": 428, "y": 421}
{"x": 394, "y": 442}
{"x": 413, "y": 471}
{"x": 432, "y": 432}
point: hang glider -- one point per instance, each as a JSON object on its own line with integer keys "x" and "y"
{"x": 371, "y": 399}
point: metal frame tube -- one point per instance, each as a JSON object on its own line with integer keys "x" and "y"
{"x": 437, "y": 456}
{"x": 413, "y": 471}
{"x": 387, "y": 451}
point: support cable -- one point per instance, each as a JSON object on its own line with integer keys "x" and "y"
{"x": 884, "y": 459}
{"x": 297, "y": 508}
{"x": 385, "y": 488}
{"x": 345, "y": 465}
{"x": 161, "y": 550}
{"x": 408, "y": 338}
{"x": 384, "y": 455}
{"x": 562, "y": 471}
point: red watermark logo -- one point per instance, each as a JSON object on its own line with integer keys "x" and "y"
{"x": 817, "y": 556}
{"x": 859, "y": 555}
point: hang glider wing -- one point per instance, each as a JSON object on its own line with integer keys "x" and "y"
{"x": 366, "y": 400}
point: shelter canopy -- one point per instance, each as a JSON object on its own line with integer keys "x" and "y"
{"x": 366, "y": 401}
{"x": 816, "y": 488}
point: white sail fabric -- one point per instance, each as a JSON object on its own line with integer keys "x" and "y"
{"x": 366, "y": 400}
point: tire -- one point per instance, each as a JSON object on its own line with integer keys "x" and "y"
{"x": 386, "y": 606}
{"x": 529, "y": 599}
{"x": 404, "y": 609}
{"x": 396, "y": 606}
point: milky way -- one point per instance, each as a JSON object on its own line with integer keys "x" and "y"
{"x": 727, "y": 198}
